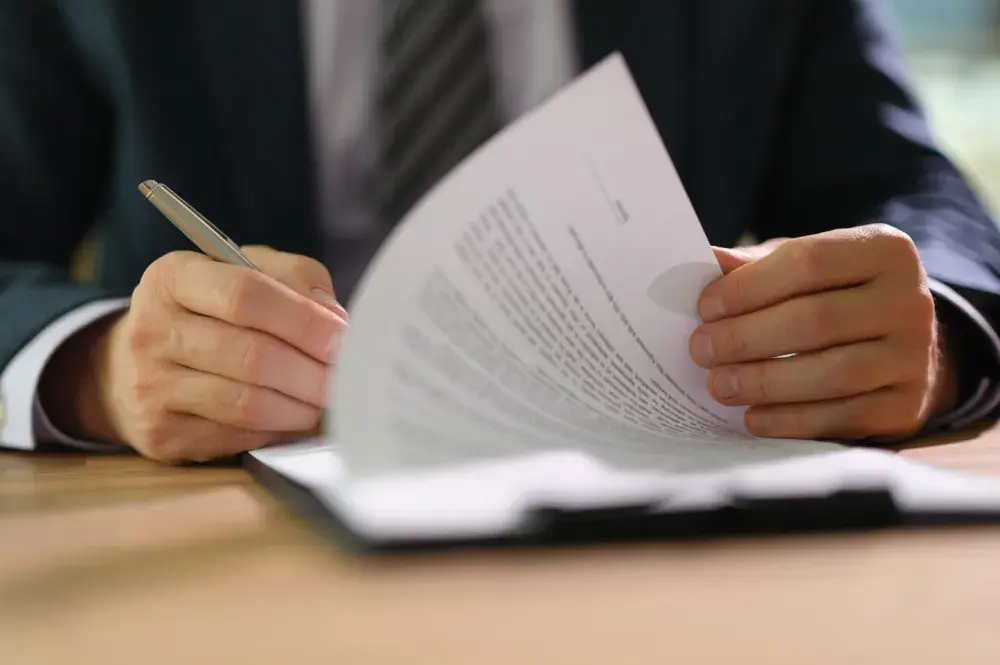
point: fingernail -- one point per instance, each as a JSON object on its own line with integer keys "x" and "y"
{"x": 701, "y": 349}
{"x": 712, "y": 309}
{"x": 757, "y": 422}
{"x": 726, "y": 384}
{"x": 325, "y": 298}
{"x": 333, "y": 348}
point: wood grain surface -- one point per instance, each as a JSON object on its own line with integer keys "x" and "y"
{"x": 110, "y": 560}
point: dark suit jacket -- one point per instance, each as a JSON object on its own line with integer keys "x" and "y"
{"x": 784, "y": 118}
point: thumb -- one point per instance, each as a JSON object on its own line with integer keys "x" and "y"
{"x": 731, "y": 259}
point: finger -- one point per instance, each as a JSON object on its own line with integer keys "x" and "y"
{"x": 842, "y": 371}
{"x": 250, "y": 299}
{"x": 800, "y": 325}
{"x": 302, "y": 274}
{"x": 248, "y": 356}
{"x": 889, "y": 412}
{"x": 242, "y": 405}
{"x": 801, "y": 266}
{"x": 731, "y": 259}
{"x": 178, "y": 438}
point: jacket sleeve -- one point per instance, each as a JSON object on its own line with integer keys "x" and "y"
{"x": 55, "y": 149}
{"x": 854, "y": 147}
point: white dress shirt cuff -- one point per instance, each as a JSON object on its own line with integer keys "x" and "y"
{"x": 986, "y": 395}
{"x": 23, "y": 422}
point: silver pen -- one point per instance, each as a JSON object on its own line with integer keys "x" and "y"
{"x": 203, "y": 233}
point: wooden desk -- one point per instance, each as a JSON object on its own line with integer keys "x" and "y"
{"x": 115, "y": 560}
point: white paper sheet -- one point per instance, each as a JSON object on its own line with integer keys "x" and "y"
{"x": 492, "y": 498}
{"x": 521, "y": 341}
{"x": 541, "y": 298}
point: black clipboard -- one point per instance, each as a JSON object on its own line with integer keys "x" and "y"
{"x": 843, "y": 510}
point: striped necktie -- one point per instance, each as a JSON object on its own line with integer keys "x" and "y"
{"x": 435, "y": 96}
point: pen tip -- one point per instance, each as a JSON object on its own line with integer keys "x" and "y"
{"x": 147, "y": 187}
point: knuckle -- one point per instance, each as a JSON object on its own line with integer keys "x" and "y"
{"x": 808, "y": 256}
{"x": 852, "y": 373}
{"x": 246, "y": 406}
{"x": 757, "y": 381}
{"x": 897, "y": 245}
{"x": 737, "y": 295}
{"x": 921, "y": 308}
{"x": 173, "y": 341}
{"x": 316, "y": 330}
{"x": 820, "y": 320}
{"x": 159, "y": 276}
{"x": 146, "y": 334}
{"x": 259, "y": 249}
{"x": 158, "y": 439}
{"x": 309, "y": 269}
{"x": 169, "y": 450}
{"x": 909, "y": 259}
{"x": 253, "y": 358}
{"x": 143, "y": 390}
{"x": 140, "y": 334}
{"x": 264, "y": 256}
{"x": 730, "y": 344}
{"x": 156, "y": 271}
{"x": 240, "y": 296}
{"x": 892, "y": 237}
{"x": 842, "y": 373}
{"x": 883, "y": 231}
{"x": 915, "y": 316}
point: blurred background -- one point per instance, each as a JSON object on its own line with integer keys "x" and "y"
{"x": 953, "y": 50}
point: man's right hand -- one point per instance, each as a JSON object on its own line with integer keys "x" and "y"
{"x": 210, "y": 359}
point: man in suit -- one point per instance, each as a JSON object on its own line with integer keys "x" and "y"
{"x": 283, "y": 121}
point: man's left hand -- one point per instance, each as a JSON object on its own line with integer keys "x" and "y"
{"x": 831, "y": 336}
